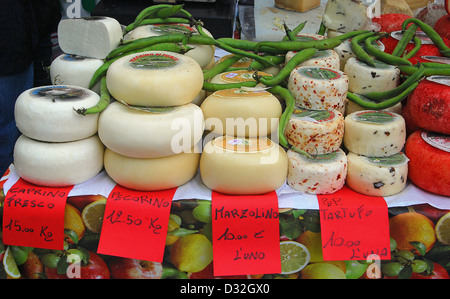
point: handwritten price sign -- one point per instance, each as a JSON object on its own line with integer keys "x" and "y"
{"x": 135, "y": 223}
{"x": 246, "y": 236}
{"x": 34, "y": 215}
{"x": 353, "y": 226}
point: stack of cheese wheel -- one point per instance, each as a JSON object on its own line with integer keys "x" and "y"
{"x": 58, "y": 147}
{"x": 152, "y": 131}
{"x": 83, "y": 49}
{"x": 318, "y": 133}
{"x": 323, "y": 58}
{"x": 376, "y": 165}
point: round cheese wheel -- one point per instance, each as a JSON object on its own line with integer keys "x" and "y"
{"x": 377, "y": 176}
{"x": 319, "y": 88}
{"x": 351, "y": 107}
{"x": 152, "y": 174}
{"x": 316, "y": 132}
{"x": 58, "y": 164}
{"x": 321, "y": 174}
{"x": 323, "y": 58}
{"x": 155, "y": 78}
{"x": 48, "y": 113}
{"x": 345, "y": 52}
{"x": 429, "y": 161}
{"x": 243, "y": 165}
{"x": 374, "y": 133}
{"x": 236, "y": 76}
{"x": 74, "y": 70}
{"x": 150, "y": 133}
{"x": 242, "y": 112}
{"x": 363, "y": 78}
{"x": 200, "y": 53}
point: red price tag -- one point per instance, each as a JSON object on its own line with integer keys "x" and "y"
{"x": 34, "y": 215}
{"x": 246, "y": 236}
{"x": 135, "y": 223}
{"x": 354, "y": 226}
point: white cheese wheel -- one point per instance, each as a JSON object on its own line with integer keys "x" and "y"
{"x": 155, "y": 78}
{"x": 316, "y": 132}
{"x": 363, "y": 78}
{"x": 152, "y": 174}
{"x": 319, "y": 88}
{"x": 322, "y": 174}
{"x": 345, "y": 52}
{"x": 374, "y": 133}
{"x": 200, "y": 53}
{"x": 74, "y": 70}
{"x": 58, "y": 164}
{"x": 91, "y": 37}
{"x": 351, "y": 107}
{"x": 48, "y": 113}
{"x": 377, "y": 176}
{"x": 150, "y": 133}
{"x": 323, "y": 58}
{"x": 345, "y": 15}
{"x": 242, "y": 112}
{"x": 243, "y": 165}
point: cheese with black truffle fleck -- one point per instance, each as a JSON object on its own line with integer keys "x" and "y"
{"x": 377, "y": 176}
{"x": 345, "y": 15}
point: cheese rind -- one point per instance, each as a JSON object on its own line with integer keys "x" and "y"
{"x": 150, "y": 133}
{"x": 374, "y": 133}
{"x": 322, "y": 174}
{"x": 315, "y": 131}
{"x": 74, "y": 70}
{"x": 48, "y": 113}
{"x": 364, "y": 78}
{"x": 383, "y": 176}
{"x": 345, "y": 15}
{"x": 318, "y": 88}
{"x": 200, "y": 53}
{"x": 243, "y": 165}
{"x": 243, "y": 113}
{"x": 58, "y": 164}
{"x": 91, "y": 37}
{"x": 155, "y": 78}
{"x": 153, "y": 173}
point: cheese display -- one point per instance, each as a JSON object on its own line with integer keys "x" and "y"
{"x": 363, "y": 78}
{"x": 319, "y": 88}
{"x": 150, "y": 174}
{"x": 47, "y": 113}
{"x": 243, "y": 165}
{"x": 155, "y": 78}
{"x": 377, "y": 176}
{"x": 323, "y": 58}
{"x": 203, "y": 54}
{"x": 374, "y": 133}
{"x": 316, "y": 132}
{"x": 74, "y": 70}
{"x": 320, "y": 174}
{"x": 429, "y": 161}
{"x": 57, "y": 164}
{"x": 150, "y": 132}
{"x": 242, "y": 112}
{"x": 91, "y": 37}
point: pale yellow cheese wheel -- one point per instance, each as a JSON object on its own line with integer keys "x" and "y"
{"x": 150, "y": 133}
{"x": 153, "y": 173}
{"x": 58, "y": 164}
{"x": 155, "y": 78}
{"x": 233, "y": 165}
{"x": 242, "y": 112}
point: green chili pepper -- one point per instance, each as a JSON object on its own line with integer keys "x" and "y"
{"x": 322, "y": 29}
{"x": 169, "y": 11}
{"x": 417, "y": 46}
{"x": 145, "y": 22}
{"x": 383, "y": 56}
{"x": 105, "y": 99}
{"x": 324, "y": 44}
{"x": 406, "y": 38}
{"x": 429, "y": 71}
{"x": 221, "y": 67}
{"x": 212, "y": 87}
{"x": 298, "y": 58}
{"x": 150, "y": 11}
{"x": 295, "y": 31}
{"x": 358, "y": 49}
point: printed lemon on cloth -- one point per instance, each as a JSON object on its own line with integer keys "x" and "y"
{"x": 73, "y": 221}
{"x": 93, "y": 214}
{"x": 294, "y": 257}
{"x": 443, "y": 229}
{"x": 191, "y": 253}
{"x": 10, "y": 264}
